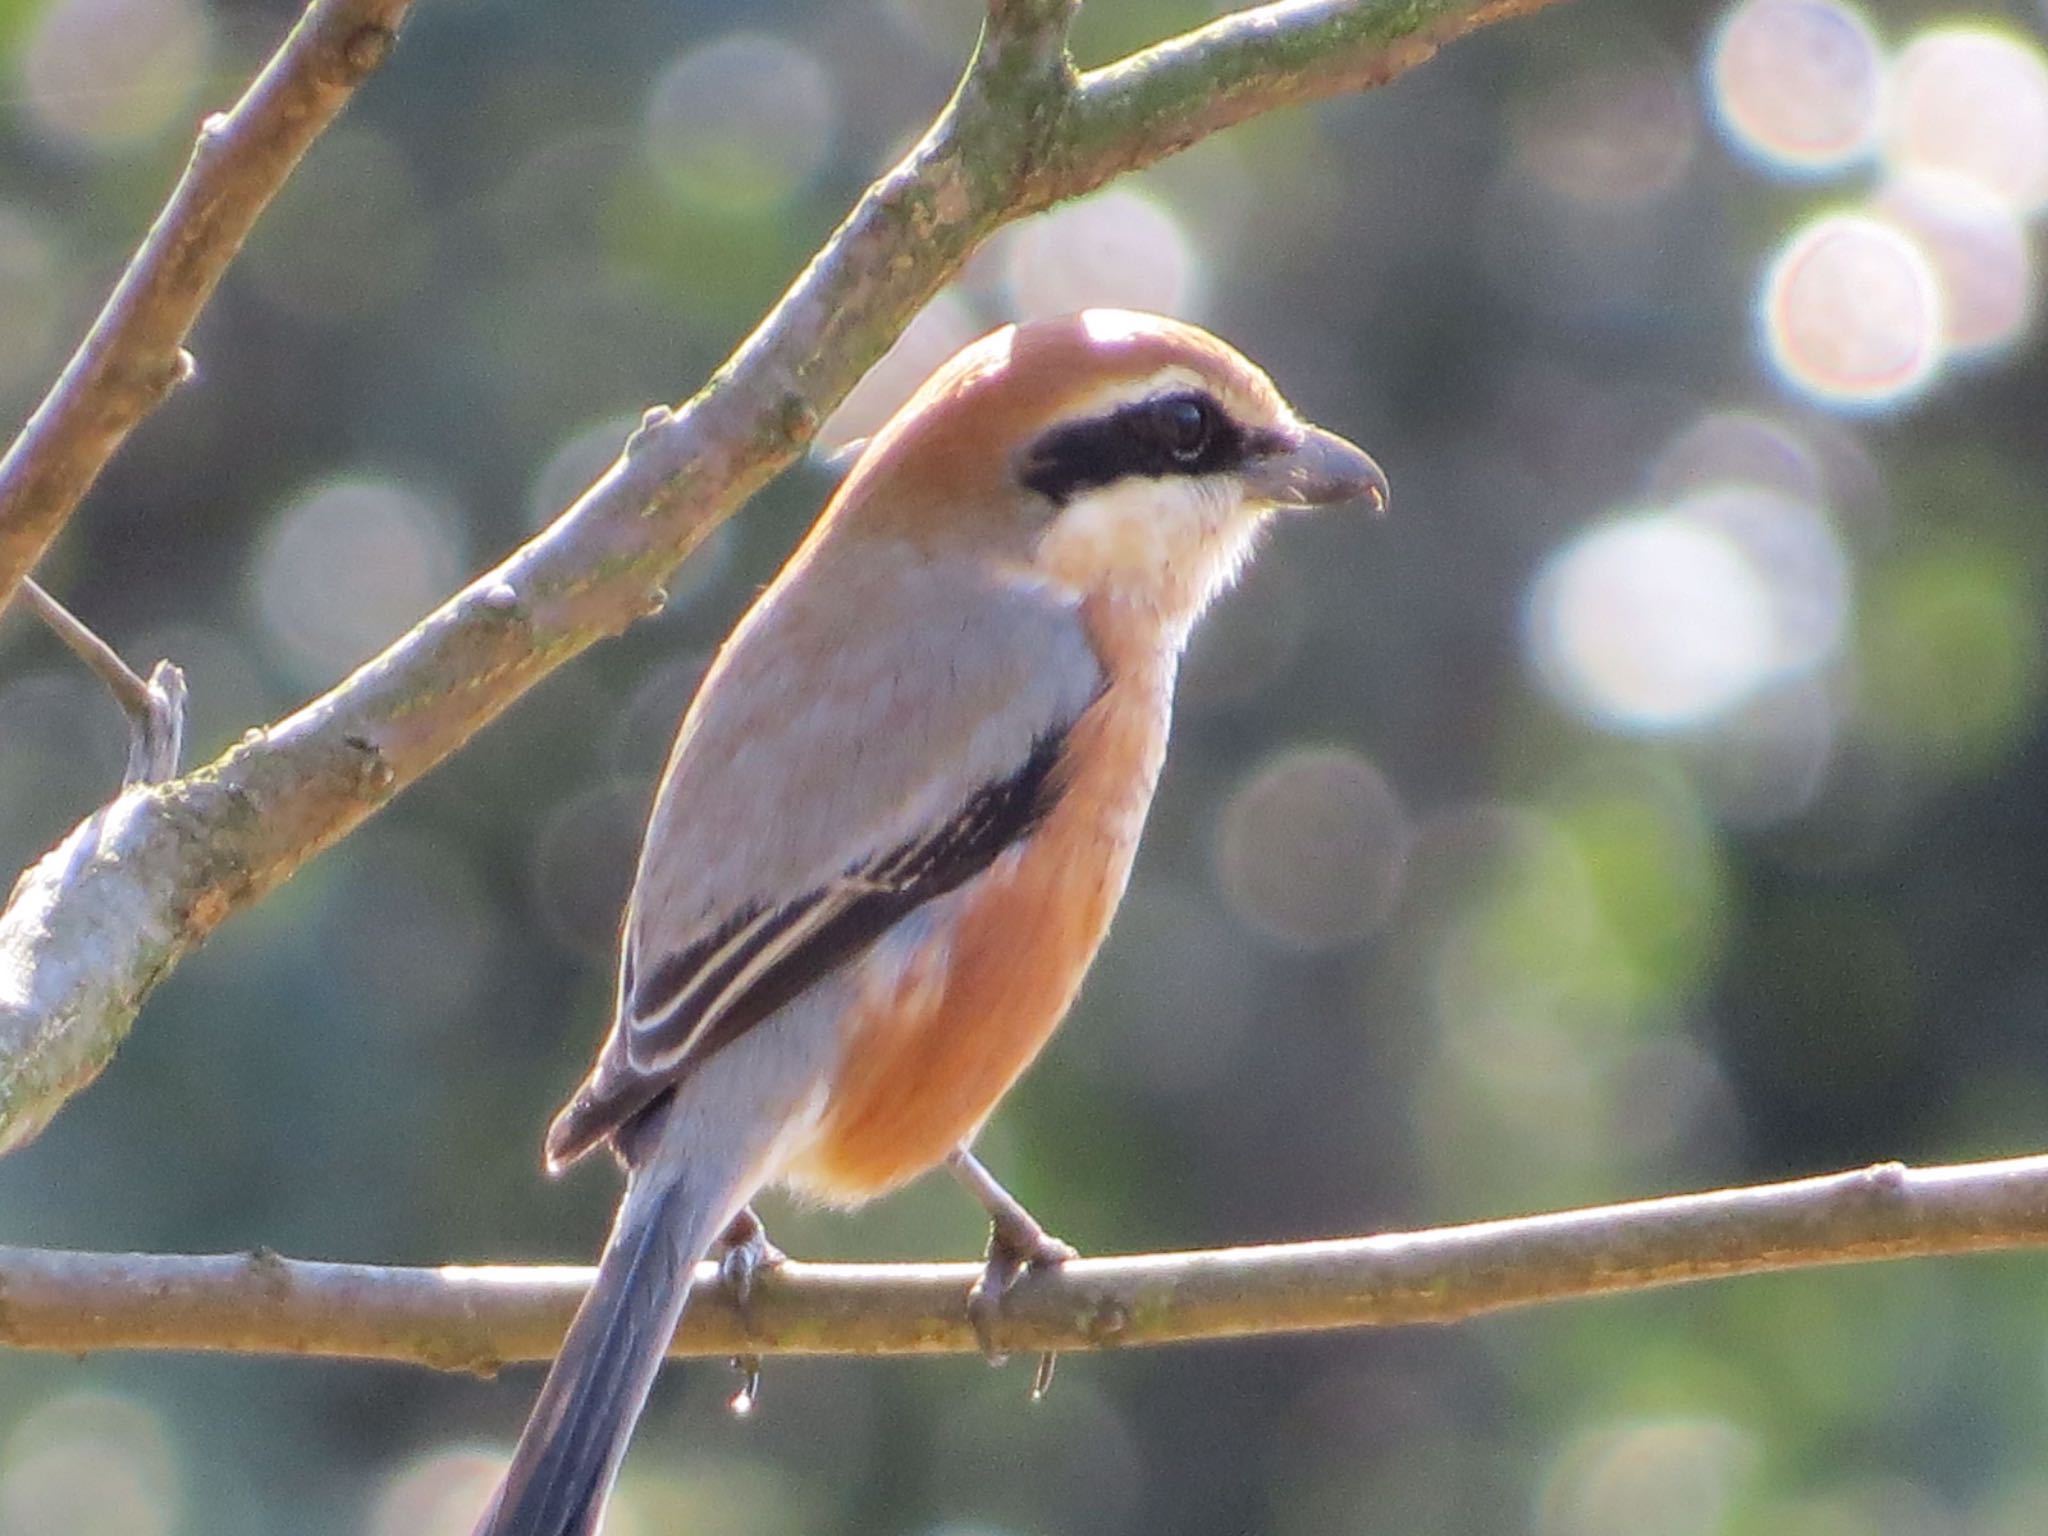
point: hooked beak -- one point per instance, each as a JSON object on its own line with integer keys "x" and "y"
{"x": 1314, "y": 468}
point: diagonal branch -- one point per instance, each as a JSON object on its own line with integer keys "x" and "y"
{"x": 476, "y": 1319}
{"x": 1166, "y": 98}
{"x": 134, "y": 354}
{"x": 104, "y": 916}
{"x": 155, "y": 709}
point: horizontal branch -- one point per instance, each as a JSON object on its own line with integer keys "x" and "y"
{"x": 107, "y": 914}
{"x": 133, "y": 356}
{"x": 476, "y": 1319}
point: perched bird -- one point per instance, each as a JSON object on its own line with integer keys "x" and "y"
{"x": 898, "y": 817}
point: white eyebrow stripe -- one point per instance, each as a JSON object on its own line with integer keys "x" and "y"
{"x": 1114, "y": 393}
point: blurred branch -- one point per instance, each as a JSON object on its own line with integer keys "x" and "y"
{"x": 103, "y": 917}
{"x": 134, "y": 354}
{"x": 455, "y": 1318}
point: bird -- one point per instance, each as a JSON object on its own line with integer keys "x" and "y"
{"x": 897, "y": 818}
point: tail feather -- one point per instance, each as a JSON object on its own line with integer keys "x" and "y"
{"x": 569, "y": 1452}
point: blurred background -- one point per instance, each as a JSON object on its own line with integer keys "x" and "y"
{"x": 1658, "y": 799}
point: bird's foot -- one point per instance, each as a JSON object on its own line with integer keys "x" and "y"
{"x": 743, "y": 1252}
{"x": 1013, "y": 1250}
{"x": 1016, "y": 1243}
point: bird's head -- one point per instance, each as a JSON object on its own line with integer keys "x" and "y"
{"x": 1114, "y": 454}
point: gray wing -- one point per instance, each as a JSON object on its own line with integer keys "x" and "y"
{"x": 818, "y": 794}
{"x": 712, "y": 992}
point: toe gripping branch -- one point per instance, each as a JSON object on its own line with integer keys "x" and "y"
{"x": 1017, "y": 1244}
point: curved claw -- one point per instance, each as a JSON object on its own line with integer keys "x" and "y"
{"x": 1010, "y": 1255}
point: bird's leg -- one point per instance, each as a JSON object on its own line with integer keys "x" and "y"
{"x": 743, "y": 1251}
{"x": 1016, "y": 1242}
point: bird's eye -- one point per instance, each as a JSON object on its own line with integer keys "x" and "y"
{"x": 1185, "y": 426}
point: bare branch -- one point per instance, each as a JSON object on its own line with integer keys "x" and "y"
{"x": 155, "y": 709}
{"x": 103, "y": 917}
{"x": 134, "y": 354}
{"x": 476, "y": 1319}
{"x": 1160, "y": 101}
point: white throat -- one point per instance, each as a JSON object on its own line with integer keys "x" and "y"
{"x": 1171, "y": 545}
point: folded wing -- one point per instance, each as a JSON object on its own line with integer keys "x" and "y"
{"x": 816, "y": 797}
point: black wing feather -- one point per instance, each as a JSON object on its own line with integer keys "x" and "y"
{"x": 869, "y": 899}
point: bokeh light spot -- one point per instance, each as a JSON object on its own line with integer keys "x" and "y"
{"x": 1804, "y": 571}
{"x": 1973, "y": 103}
{"x": 1311, "y": 848}
{"x": 1659, "y": 1477}
{"x": 1769, "y": 760}
{"x": 1651, "y": 623}
{"x": 1612, "y": 138}
{"x": 106, "y": 76}
{"x": 1797, "y": 83}
{"x": 1666, "y": 619}
{"x": 90, "y": 1464}
{"x": 741, "y": 125}
{"x": 346, "y": 567}
{"x": 1979, "y": 252}
{"x": 1852, "y": 313}
{"x": 437, "y": 1495}
{"x": 1737, "y": 448}
{"x": 1117, "y": 250}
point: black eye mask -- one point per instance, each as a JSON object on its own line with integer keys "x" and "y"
{"x": 1178, "y": 434}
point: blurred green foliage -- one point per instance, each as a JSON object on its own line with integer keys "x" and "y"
{"x": 1533, "y": 906}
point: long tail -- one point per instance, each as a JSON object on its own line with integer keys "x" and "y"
{"x": 570, "y": 1450}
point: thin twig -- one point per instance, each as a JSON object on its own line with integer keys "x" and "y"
{"x": 108, "y": 913}
{"x": 476, "y": 1319}
{"x": 155, "y": 709}
{"x": 105, "y": 663}
{"x": 134, "y": 354}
